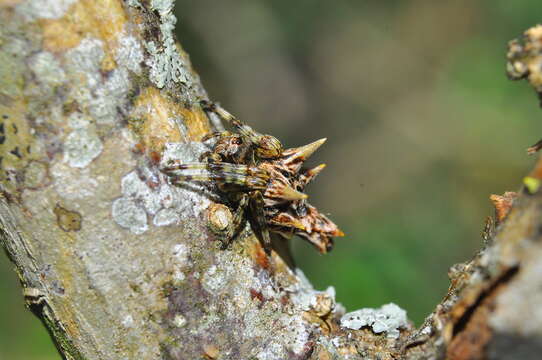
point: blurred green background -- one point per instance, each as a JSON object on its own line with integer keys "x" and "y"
{"x": 422, "y": 127}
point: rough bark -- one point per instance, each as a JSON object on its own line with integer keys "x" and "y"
{"x": 119, "y": 264}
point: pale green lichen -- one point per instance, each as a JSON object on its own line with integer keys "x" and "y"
{"x": 84, "y": 61}
{"x": 167, "y": 66}
{"x": 46, "y": 69}
{"x": 73, "y": 183}
{"x": 81, "y": 147}
{"x": 166, "y": 204}
{"x": 133, "y": 187}
{"x": 180, "y": 263}
{"x": 133, "y": 3}
{"x": 213, "y": 281}
{"x": 130, "y": 211}
{"x": 109, "y": 96}
{"x": 129, "y": 215}
{"x": 129, "y": 54}
{"x": 306, "y": 295}
{"x": 164, "y": 7}
{"x": 191, "y": 201}
{"x": 101, "y": 96}
{"x": 166, "y": 217}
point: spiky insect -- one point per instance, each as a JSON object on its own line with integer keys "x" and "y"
{"x": 257, "y": 174}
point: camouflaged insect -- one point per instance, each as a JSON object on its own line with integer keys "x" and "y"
{"x": 257, "y": 174}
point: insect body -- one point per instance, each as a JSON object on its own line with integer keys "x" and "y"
{"x": 256, "y": 172}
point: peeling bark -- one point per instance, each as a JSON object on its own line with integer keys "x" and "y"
{"x": 120, "y": 265}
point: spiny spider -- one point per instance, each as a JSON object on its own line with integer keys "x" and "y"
{"x": 256, "y": 173}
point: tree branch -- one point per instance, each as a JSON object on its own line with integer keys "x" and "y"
{"x": 121, "y": 265}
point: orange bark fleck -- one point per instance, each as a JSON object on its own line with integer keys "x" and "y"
{"x": 103, "y": 20}
{"x": 503, "y": 204}
{"x": 153, "y": 120}
{"x": 197, "y": 123}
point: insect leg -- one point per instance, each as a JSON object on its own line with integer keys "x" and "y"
{"x": 210, "y": 157}
{"x": 225, "y": 173}
{"x": 245, "y": 130}
{"x": 220, "y": 111}
{"x": 216, "y": 134}
{"x": 238, "y": 221}
{"x": 259, "y": 222}
{"x": 266, "y": 146}
{"x": 218, "y": 167}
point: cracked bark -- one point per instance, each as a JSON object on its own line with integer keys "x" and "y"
{"x": 120, "y": 265}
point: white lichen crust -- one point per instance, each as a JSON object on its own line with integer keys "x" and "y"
{"x": 163, "y": 203}
{"x": 389, "y": 318}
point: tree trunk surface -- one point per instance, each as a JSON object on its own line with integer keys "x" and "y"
{"x": 119, "y": 264}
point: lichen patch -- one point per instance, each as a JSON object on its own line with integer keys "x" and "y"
{"x": 181, "y": 254}
{"x": 145, "y": 192}
{"x": 133, "y": 187}
{"x": 102, "y": 96}
{"x": 190, "y": 201}
{"x": 128, "y": 321}
{"x": 166, "y": 217}
{"x": 46, "y": 69}
{"x": 81, "y": 147}
{"x": 129, "y": 215}
{"x": 389, "y": 318}
{"x": 73, "y": 183}
{"x": 83, "y": 61}
{"x": 167, "y": 66}
{"x": 110, "y": 96}
{"x": 129, "y": 53}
